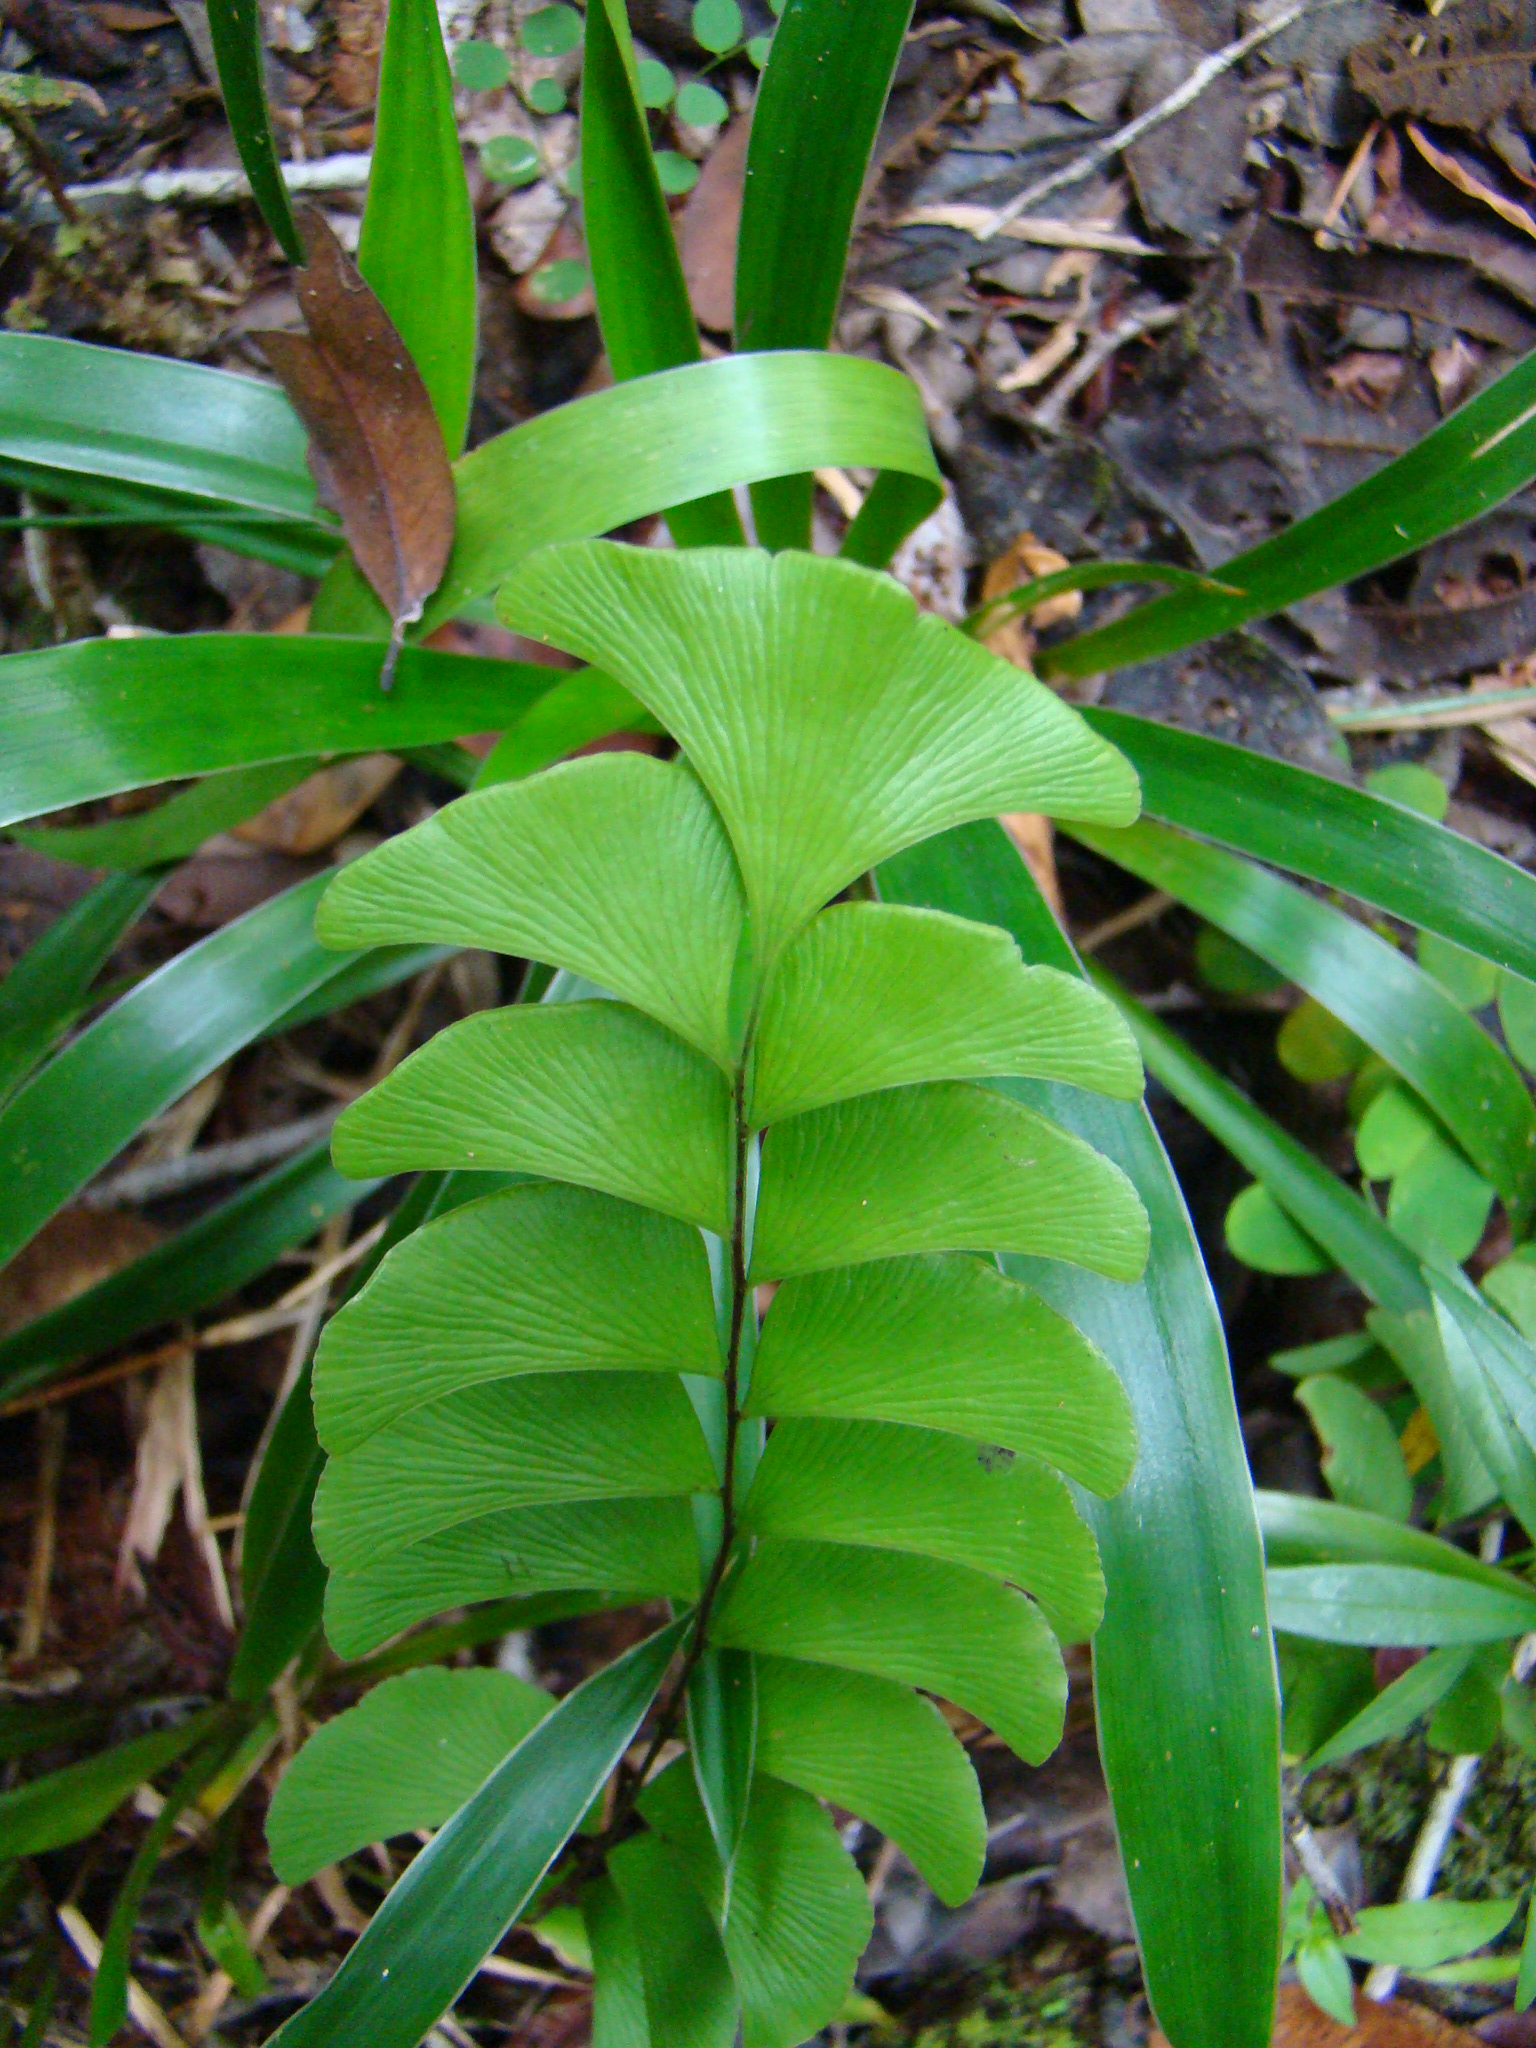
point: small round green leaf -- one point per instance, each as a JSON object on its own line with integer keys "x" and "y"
{"x": 1314, "y": 1046}
{"x": 717, "y": 24}
{"x": 1228, "y": 966}
{"x": 480, "y": 66}
{"x": 676, "y": 172}
{"x": 700, "y": 105}
{"x": 758, "y": 48}
{"x": 1467, "y": 978}
{"x": 510, "y": 160}
{"x": 546, "y": 96}
{"x": 1261, "y": 1234}
{"x": 552, "y": 31}
{"x": 1405, "y": 782}
{"x": 656, "y": 82}
{"x": 556, "y": 282}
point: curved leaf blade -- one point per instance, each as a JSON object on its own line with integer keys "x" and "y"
{"x": 236, "y": 30}
{"x": 49, "y": 984}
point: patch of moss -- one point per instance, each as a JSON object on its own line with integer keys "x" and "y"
{"x": 1010, "y": 2008}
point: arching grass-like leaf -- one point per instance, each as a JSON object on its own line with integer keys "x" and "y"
{"x": 497, "y": 870}
{"x": 618, "y": 1993}
{"x": 539, "y": 1279}
{"x": 48, "y": 986}
{"x": 148, "y": 839}
{"x": 881, "y": 1751}
{"x": 1393, "y": 1605}
{"x": 235, "y": 26}
{"x": 911, "y": 727}
{"x": 945, "y": 1343}
{"x": 406, "y": 1756}
{"x": 689, "y": 1993}
{"x": 941, "y": 1626}
{"x": 1397, "y": 1706}
{"x": 943, "y": 1167}
{"x": 589, "y": 1092}
{"x": 875, "y": 995}
{"x": 66, "y": 1805}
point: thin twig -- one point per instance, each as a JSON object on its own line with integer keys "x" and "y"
{"x": 1146, "y": 910}
{"x": 142, "y": 2009}
{"x": 1052, "y": 409}
{"x": 347, "y": 172}
{"x": 1431, "y": 714}
{"x": 214, "y": 1162}
{"x": 1204, "y": 74}
{"x": 50, "y": 1468}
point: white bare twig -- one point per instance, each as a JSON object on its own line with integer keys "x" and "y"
{"x": 1052, "y": 409}
{"x": 347, "y": 172}
{"x": 1205, "y": 73}
{"x": 213, "y": 1162}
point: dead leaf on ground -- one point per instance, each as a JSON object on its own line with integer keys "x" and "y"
{"x": 359, "y": 26}
{"x": 1393, "y": 2024}
{"x": 375, "y": 445}
{"x": 707, "y": 229}
{"x": 169, "y": 1461}
{"x": 1465, "y": 68}
{"x": 1368, "y": 375}
{"x": 1468, "y": 178}
{"x": 71, "y": 1252}
{"x": 316, "y": 813}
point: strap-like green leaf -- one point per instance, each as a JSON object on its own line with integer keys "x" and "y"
{"x": 582, "y": 707}
{"x": 417, "y": 246}
{"x": 1475, "y": 459}
{"x": 875, "y": 995}
{"x": 1393, "y": 1005}
{"x": 406, "y": 1756}
{"x": 1494, "y": 1376}
{"x": 615, "y": 867}
{"x": 98, "y": 716}
{"x": 813, "y": 128}
{"x": 515, "y": 1443}
{"x": 896, "y": 1488}
{"x": 1197, "y": 1812}
{"x": 200, "y": 1265}
{"x": 881, "y": 1751}
{"x": 232, "y": 442}
{"x": 591, "y": 1092}
{"x": 951, "y": 1630}
{"x": 722, "y": 1744}
{"x": 69, "y": 1804}
{"x": 1407, "y": 1699}
{"x": 1300, "y": 1530}
{"x": 946, "y": 1166}
{"x": 945, "y": 1343}
{"x": 795, "y": 1917}
{"x": 236, "y": 29}
{"x": 1394, "y": 1605}
{"x": 1366, "y": 845}
{"x": 646, "y": 1548}
{"x": 282, "y": 1578}
{"x": 464, "y": 1890}
{"x": 46, "y": 989}
{"x": 910, "y": 727}
{"x": 74, "y": 1114}
{"x": 618, "y": 1989}
{"x": 148, "y": 839}
{"x": 541, "y": 1278}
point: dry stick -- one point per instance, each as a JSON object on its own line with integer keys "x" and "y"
{"x": 347, "y": 172}
{"x": 50, "y": 1467}
{"x": 1051, "y": 410}
{"x": 1145, "y": 911}
{"x": 1205, "y": 73}
{"x": 213, "y": 1162}
{"x": 1444, "y": 1812}
{"x": 1464, "y": 707}
{"x": 142, "y": 2009}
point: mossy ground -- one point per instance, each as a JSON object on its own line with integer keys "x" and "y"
{"x": 1063, "y": 1993}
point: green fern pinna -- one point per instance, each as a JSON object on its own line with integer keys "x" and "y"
{"x": 736, "y": 1336}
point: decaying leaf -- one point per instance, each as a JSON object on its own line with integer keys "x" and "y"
{"x": 315, "y": 814}
{"x": 374, "y": 443}
{"x": 1465, "y": 68}
{"x": 1468, "y": 179}
{"x": 22, "y": 92}
{"x": 168, "y": 1461}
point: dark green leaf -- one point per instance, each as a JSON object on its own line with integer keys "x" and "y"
{"x": 69, "y": 1804}
{"x": 1197, "y": 1801}
{"x": 551, "y": 31}
{"x": 149, "y": 839}
{"x": 1391, "y": 1004}
{"x": 480, "y": 66}
{"x": 1300, "y": 1530}
{"x": 47, "y": 988}
{"x": 464, "y": 1890}
{"x": 582, "y": 707}
{"x": 1079, "y": 576}
{"x": 1389, "y": 1605}
{"x": 208, "y": 1260}
{"x": 236, "y": 30}
{"x": 1323, "y": 829}
{"x": 818, "y": 109}
{"x": 75, "y": 1114}
{"x": 1407, "y": 1699}
{"x": 1475, "y": 459}
{"x": 98, "y": 716}
{"x": 417, "y": 247}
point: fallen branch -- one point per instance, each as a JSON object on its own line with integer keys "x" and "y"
{"x": 213, "y": 1162}
{"x": 347, "y": 172}
{"x": 1052, "y": 409}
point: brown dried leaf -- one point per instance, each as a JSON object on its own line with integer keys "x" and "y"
{"x": 1465, "y": 68}
{"x": 168, "y": 1460}
{"x": 707, "y": 230}
{"x": 322, "y": 807}
{"x": 1368, "y": 375}
{"x": 375, "y": 446}
{"x": 1466, "y": 177}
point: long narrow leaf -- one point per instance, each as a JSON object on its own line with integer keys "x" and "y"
{"x": 637, "y": 274}
{"x": 1347, "y": 1229}
{"x": 236, "y": 30}
{"x": 1481, "y": 455}
{"x": 1394, "y": 1606}
{"x": 464, "y": 1890}
{"x": 1300, "y": 1530}
{"x": 45, "y": 990}
{"x": 417, "y": 247}
{"x": 75, "y": 1114}
{"x": 1379, "y": 851}
{"x": 97, "y": 716}
{"x": 72, "y": 1803}
{"x": 1183, "y": 1676}
{"x": 151, "y": 839}
{"x": 818, "y": 109}
{"x": 202, "y": 1264}
{"x": 1401, "y": 1012}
